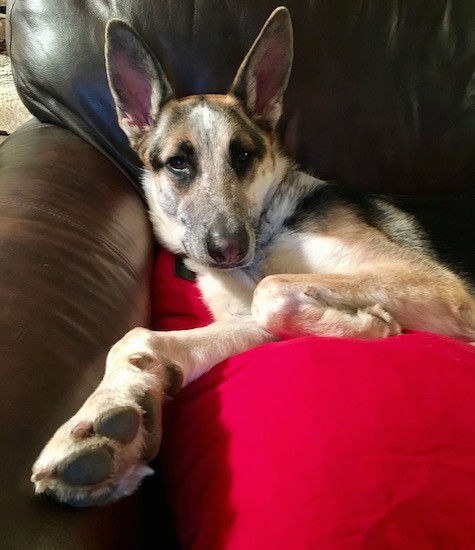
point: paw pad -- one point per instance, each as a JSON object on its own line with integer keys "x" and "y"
{"x": 120, "y": 424}
{"x": 92, "y": 465}
{"x": 87, "y": 467}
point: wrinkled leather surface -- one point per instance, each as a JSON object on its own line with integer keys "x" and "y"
{"x": 75, "y": 250}
{"x": 381, "y": 94}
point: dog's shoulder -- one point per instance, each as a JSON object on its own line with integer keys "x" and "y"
{"x": 303, "y": 203}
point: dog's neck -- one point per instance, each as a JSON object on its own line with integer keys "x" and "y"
{"x": 283, "y": 166}
{"x": 289, "y": 187}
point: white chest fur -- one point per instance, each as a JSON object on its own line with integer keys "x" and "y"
{"x": 307, "y": 253}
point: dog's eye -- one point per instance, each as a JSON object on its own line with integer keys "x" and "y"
{"x": 243, "y": 156}
{"x": 178, "y": 163}
{"x": 239, "y": 154}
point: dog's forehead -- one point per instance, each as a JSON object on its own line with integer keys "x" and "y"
{"x": 207, "y": 107}
{"x": 206, "y": 121}
{"x": 210, "y": 118}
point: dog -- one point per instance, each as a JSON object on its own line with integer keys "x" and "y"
{"x": 277, "y": 253}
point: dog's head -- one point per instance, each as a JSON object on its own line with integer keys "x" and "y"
{"x": 211, "y": 159}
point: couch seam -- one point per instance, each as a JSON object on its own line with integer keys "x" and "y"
{"x": 78, "y": 225}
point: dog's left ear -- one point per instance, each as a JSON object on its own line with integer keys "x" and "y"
{"x": 137, "y": 82}
{"x": 263, "y": 76}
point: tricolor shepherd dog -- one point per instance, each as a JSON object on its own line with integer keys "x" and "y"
{"x": 277, "y": 253}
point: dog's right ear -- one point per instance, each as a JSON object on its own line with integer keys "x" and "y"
{"x": 137, "y": 82}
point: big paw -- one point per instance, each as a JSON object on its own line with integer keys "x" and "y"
{"x": 101, "y": 453}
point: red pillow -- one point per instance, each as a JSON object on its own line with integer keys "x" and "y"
{"x": 320, "y": 443}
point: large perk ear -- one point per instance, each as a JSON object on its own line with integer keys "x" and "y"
{"x": 263, "y": 76}
{"x": 136, "y": 80}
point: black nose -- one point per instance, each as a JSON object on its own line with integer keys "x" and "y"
{"x": 227, "y": 247}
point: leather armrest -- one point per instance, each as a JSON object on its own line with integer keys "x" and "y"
{"x": 75, "y": 251}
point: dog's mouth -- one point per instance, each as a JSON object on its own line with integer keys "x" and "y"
{"x": 224, "y": 265}
{"x": 232, "y": 265}
{"x": 227, "y": 261}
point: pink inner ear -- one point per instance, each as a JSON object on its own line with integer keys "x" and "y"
{"x": 268, "y": 79}
{"x": 134, "y": 88}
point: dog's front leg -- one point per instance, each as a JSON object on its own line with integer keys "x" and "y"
{"x": 372, "y": 303}
{"x": 101, "y": 453}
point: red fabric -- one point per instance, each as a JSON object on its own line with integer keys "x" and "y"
{"x": 321, "y": 443}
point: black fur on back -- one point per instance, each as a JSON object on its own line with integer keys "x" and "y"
{"x": 445, "y": 222}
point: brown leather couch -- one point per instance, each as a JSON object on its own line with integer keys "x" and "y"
{"x": 381, "y": 97}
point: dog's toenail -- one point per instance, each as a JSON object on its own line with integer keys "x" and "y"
{"x": 120, "y": 424}
{"x": 140, "y": 360}
{"x": 41, "y": 474}
{"x": 81, "y": 431}
{"x": 87, "y": 467}
{"x": 174, "y": 378}
{"x": 150, "y": 410}
{"x": 151, "y": 423}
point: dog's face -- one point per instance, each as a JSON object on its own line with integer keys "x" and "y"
{"x": 210, "y": 159}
